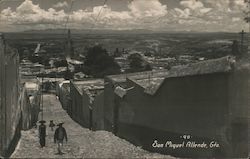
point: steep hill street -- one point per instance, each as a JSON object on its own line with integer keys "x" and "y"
{"x": 82, "y": 142}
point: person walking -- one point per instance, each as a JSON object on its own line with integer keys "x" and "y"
{"x": 59, "y": 136}
{"x": 42, "y": 133}
{"x": 51, "y": 125}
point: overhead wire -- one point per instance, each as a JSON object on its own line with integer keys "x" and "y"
{"x": 248, "y": 21}
{"x": 70, "y": 9}
{"x": 67, "y": 20}
{"x": 1, "y": 1}
{"x": 98, "y": 15}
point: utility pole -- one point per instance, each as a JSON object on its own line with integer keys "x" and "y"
{"x": 42, "y": 98}
{"x": 247, "y": 19}
{"x": 1, "y": 1}
{"x": 242, "y": 33}
{"x": 149, "y": 80}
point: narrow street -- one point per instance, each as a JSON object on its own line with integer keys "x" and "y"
{"x": 82, "y": 143}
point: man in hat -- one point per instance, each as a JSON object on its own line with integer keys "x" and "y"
{"x": 59, "y": 136}
{"x": 51, "y": 125}
{"x": 42, "y": 133}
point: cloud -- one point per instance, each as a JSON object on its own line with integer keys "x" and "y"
{"x": 222, "y": 5}
{"x": 152, "y": 8}
{"x": 227, "y": 5}
{"x": 28, "y": 13}
{"x": 179, "y": 13}
{"x": 205, "y": 10}
{"x": 192, "y": 4}
{"x": 191, "y": 15}
{"x": 61, "y": 5}
{"x": 208, "y": 15}
{"x": 27, "y": 7}
{"x": 236, "y": 19}
{"x": 196, "y": 7}
{"x": 139, "y": 11}
{"x": 141, "y": 14}
{"x": 240, "y": 3}
{"x": 7, "y": 11}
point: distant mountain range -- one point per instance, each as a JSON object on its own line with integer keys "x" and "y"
{"x": 134, "y": 31}
{"x": 89, "y": 31}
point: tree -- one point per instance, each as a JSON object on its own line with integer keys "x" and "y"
{"x": 98, "y": 63}
{"x": 68, "y": 75}
{"x": 137, "y": 64}
{"x": 61, "y": 63}
{"x": 148, "y": 67}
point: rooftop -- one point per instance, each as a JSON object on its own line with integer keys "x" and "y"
{"x": 224, "y": 64}
{"x": 61, "y": 83}
{"x": 151, "y": 82}
{"x": 138, "y": 75}
{"x": 30, "y": 82}
{"x": 91, "y": 87}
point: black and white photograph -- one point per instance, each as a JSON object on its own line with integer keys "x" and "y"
{"x": 125, "y": 79}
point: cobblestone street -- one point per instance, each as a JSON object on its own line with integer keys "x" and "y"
{"x": 82, "y": 143}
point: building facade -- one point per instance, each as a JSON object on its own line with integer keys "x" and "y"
{"x": 87, "y": 103}
{"x": 10, "y": 109}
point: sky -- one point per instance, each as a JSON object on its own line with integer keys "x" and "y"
{"x": 156, "y": 15}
